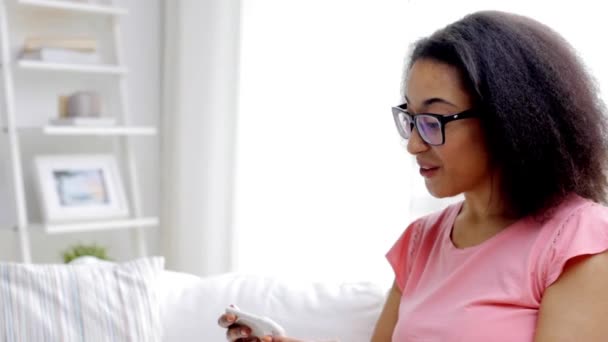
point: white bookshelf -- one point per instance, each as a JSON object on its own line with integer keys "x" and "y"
{"x": 75, "y": 6}
{"x": 121, "y": 143}
{"x": 84, "y": 68}
{"x": 100, "y": 131}
{"x": 63, "y": 228}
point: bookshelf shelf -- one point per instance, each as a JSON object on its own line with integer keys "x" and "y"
{"x": 62, "y": 228}
{"x": 85, "y": 68}
{"x": 112, "y": 130}
{"x": 75, "y": 6}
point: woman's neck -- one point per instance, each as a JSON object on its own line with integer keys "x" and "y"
{"x": 484, "y": 214}
{"x": 486, "y": 202}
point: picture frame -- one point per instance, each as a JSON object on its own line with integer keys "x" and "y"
{"x": 80, "y": 188}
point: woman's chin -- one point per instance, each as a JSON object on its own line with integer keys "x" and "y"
{"x": 440, "y": 192}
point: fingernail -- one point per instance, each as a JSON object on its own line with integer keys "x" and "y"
{"x": 230, "y": 317}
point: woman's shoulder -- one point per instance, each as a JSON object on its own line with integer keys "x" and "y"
{"x": 417, "y": 235}
{"x": 573, "y": 208}
{"x": 438, "y": 219}
{"x": 580, "y": 216}
{"x": 578, "y": 226}
{"x": 427, "y": 227}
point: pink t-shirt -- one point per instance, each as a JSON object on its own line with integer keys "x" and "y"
{"x": 491, "y": 291}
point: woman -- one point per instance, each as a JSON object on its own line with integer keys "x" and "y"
{"x": 499, "y": 108}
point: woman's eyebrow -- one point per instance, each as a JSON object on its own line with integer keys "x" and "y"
{"x": 434, "y": 100}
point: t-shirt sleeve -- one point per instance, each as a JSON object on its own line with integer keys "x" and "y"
{"x": 585, "y": 232}
{"x": 401, "y": 254}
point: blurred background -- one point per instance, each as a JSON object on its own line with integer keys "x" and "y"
{"x": 276, "y": 152}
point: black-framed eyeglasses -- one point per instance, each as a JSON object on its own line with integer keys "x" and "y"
{"x": 431, "y": 127}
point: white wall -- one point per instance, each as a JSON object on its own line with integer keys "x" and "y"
{"x": 36, "y": 102}
{"x": 322, "y": 181}
{"x": 323, "y": 187}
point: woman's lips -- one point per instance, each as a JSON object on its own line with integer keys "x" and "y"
{"x": 428, "y": 172}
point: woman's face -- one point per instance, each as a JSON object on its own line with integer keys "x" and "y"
{"x": 461, "y": 164}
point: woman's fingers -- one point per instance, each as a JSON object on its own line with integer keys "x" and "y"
{"x": 239, "y": 333}
{"x": 235, "y": 332}
{"x": 226, "y": 320}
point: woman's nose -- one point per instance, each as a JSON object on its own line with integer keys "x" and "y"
{"x": 415, "y": 144}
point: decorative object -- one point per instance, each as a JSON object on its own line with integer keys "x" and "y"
{"x": 81, "y": 44}
{"x": 80, "y": 250}
{"x": 80, "y": 188}
{"x": 83, "y": 104}
{"x": 82, "y": 50}
{"x": 81, "y": 108}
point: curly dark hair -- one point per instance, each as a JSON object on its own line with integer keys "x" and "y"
{"x": 543, "y": 118}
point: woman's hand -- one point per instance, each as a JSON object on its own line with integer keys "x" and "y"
{"x": 235, "y": 332}
{"x": 241, "y": 333}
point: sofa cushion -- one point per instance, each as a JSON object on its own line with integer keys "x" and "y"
{"x": 190, "y": 306}
{"x": 80, "y": 302}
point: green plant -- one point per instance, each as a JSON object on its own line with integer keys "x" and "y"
{"x": 79, "y": 250}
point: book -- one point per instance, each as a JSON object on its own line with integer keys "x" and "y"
{"x": 62, "y": 56}
{"x": 82, "y": 44}
{"x": 84, "y": 121}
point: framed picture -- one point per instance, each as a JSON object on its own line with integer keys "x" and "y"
{"x": 79, "y": 188}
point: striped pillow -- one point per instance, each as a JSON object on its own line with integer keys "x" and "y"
{"x": 111, "y": 302}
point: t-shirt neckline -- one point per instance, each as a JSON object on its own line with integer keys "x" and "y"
{"x": 447, "y": 233}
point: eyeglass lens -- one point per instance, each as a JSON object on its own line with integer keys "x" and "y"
{"x": 428, "y": 127}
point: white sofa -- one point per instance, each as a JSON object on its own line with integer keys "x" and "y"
{"x": 190, "y": 306}
{"x": 97, "y": 301}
